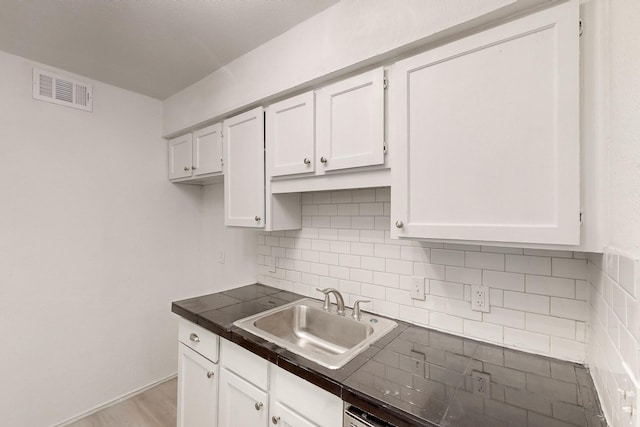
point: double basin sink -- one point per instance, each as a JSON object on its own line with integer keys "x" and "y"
{"x": 305, "y": 328}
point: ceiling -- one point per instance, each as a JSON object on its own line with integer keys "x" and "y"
{"x": 153, "y": 47}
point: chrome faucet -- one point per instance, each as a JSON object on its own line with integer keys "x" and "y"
{"x": 339, "y": 299}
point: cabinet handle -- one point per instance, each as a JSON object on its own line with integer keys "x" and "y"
{"x": 210, "y": 374}
{"x": 307, "y": 161}
{"x": 186, "y": 168}
{"x": 194, "y": 338}
{"x": 323, "y": 159}
{"x": 258, "y": 406}
{"x": 257, "y": 218}
{"x": 275, "y": 419}
{"x": 193, "y": 168}
{"x": 399, "y": 224}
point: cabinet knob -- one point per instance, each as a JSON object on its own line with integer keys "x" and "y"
{"x": 194, "y": 338}
{"x": 186, "y": 168}
{"x": 399, "y": 224}
{"x": 323, "y": 159}
{"x": 257, "y": 218}
{"x": 275, "y": 419}
{"x": 258, "y": 406}
{"x": 210, "y": 374}
{"x": 307, "y": 161}
{"x": 193, "y": 168}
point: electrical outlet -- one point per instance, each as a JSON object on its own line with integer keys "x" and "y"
{"x": 271, "y": 264}
{"x": 480, "y": 298}
{"x": 417, "y": 288}
{"x": 418, "y": 360}
{"x": 629, "y": 391}
{"x": 221, "y": 256}
{"x": 481, "y": 383}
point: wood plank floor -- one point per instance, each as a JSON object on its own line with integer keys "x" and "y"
{"x": 155, "y": 407}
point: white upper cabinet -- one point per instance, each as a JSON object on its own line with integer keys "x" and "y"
{"x": 244, "y": 169}
{"x": 197, "y": 155}
{"x": 350, "y": 122}
{"x": 207, "y": 150}
{"x": 486, "y": 135}
{"x": 291, "y": 135}
{"x": 180, "y": 156}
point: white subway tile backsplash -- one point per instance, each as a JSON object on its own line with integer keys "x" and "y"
{"x": 538, "y": 298}
{"x": 552, "y": 286}
{"x": 447, "y": 257}
{"x": 430, "y": 271}
{"x": 627, "y": 274}
{"x": 469, "y": 276}
{"x": 569, "y": 308}
{"x": 528, "y": 264}
{"x": 554, "y": 326}
{"x": 484, "y": 260}
{"x": 570, "y": 268}
{"x": 526, "y": 302}
{"x": 502, "y": 280}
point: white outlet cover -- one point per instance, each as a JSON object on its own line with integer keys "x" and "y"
{"x": 417, "y": 288}
{"x": 480, "y": 298}
{"x": 481, "y": 383}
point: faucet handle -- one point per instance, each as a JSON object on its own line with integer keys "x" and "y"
{"x": 356, "y": 308}
{"x": 327, "y": 303}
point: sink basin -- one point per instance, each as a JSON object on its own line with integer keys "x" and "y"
{"x": 304, "y": 328}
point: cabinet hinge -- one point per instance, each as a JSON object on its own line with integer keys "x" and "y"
{"x": 580, "y": 28}
{"x": 580, "y": 217}
{"x": 384, "y": 148}
{"x": 385, "y": 82}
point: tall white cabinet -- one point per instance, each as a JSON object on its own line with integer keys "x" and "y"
{"x": 244, "y": 169}
{"x": 486, "y": 135}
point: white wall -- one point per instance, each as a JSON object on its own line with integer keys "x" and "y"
{"x": 95, "y": 243}
{"x": 538, "y": 298}
{"x": 614, "y": 327}
{"x": 349, "y": 34}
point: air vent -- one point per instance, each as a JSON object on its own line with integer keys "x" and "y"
{"x": 62, "y": 90}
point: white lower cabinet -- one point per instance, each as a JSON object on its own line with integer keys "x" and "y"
{"x": 241, "y": 403}
{"x": 244, "y": 390}
{"x": 197, "y": 389}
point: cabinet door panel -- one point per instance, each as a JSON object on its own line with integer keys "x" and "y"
{"x": 350, "y": 121}
{"x": 197, "y": 389}
{"x": 207, "y": 150}
{"x": 488, "y": 142}
{"x": 180, "y": 156}
{"x": 287, "y": 417}
{"x": 238, "y": 400}
{"x": 291, "y": 135}
{"x": 244, "y": 169}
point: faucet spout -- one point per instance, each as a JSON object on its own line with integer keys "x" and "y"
{"x": 339, "y": 299}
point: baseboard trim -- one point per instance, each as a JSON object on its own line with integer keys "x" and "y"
{"x": 113, "y": 402}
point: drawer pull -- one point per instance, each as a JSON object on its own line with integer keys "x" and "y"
{"x": 194, "y": 338}
{"x": 210, "y": 374}
{"x": 275, "y": 419}
{"x": 258, "y": 406}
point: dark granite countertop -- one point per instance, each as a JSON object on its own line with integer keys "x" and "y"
{"x": 416, "y": 376}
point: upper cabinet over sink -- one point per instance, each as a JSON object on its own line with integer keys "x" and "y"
{"x": 486, "y": 138}
{"x": 313, "y": 137}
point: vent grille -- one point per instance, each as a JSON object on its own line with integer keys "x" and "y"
{"x": 62, "y": 90}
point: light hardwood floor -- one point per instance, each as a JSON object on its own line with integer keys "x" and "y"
{"x": 155, "y": 407}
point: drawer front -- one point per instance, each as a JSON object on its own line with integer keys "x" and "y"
{"x": 199, "y": 339}
{"x": 244, "y": 364}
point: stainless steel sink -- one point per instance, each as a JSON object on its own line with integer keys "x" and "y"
{"x": 326, "y": 338}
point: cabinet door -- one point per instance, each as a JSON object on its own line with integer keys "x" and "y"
{"x": 291, "y": 135}
{"x": 244, "y": 169}
{"x": 207, "y": 150}
{"x": 283, "y": 416}
{"x": 197, "y": 389}
{"x": 487, "y": 135}
{"x": 350, "y": 122}
{"x": 241, "y": 403}
{"x": 180, "y": 157}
